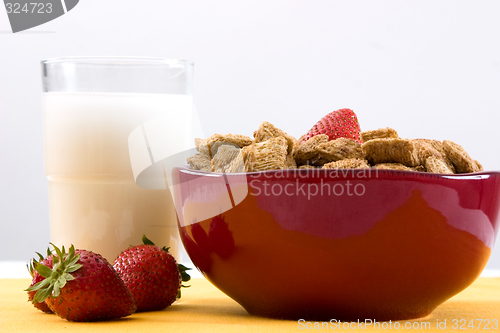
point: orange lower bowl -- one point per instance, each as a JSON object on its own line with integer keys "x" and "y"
{"x": 332, "y": 244}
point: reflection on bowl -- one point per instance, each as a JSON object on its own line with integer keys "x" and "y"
{"x": 338, "y": 244}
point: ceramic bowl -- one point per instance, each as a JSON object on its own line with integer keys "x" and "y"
{"x": 338, "y": 244}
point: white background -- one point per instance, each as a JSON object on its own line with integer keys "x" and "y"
{"x": 426, "y": 68}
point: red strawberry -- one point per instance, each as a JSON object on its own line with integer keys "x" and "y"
{"x": 342, "y": 123}
{"x": 151, "y": 274}
{"x": 82, "y": 286}
{"x": 38, "y": 278}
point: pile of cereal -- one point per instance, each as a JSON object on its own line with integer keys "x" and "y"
{"x": 335, "y": 142}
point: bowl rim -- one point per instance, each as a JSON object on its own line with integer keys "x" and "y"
{"x": 470, "y": 175}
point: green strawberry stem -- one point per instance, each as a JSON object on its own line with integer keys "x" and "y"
{"x": 31, "y": 264}
{"x": 55, "y": 278}
{"x": 147, "y": 241}
{"x": 184, "y": 276}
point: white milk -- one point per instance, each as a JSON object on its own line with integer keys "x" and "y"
{"x": 94, "y": 201}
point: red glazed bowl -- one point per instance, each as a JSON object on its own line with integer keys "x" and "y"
{"x": 338, "y": 244}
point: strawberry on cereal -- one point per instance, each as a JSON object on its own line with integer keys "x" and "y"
{"x": 341, "y": 123}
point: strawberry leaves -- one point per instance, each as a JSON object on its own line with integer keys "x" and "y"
{"x": 185, "y": 277}
{"x": 55, "y": 278}
{"x": 147, "y": 241}
{"x": 73, "y": 273}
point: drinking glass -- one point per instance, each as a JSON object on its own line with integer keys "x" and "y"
{"x": 91, "y": 105}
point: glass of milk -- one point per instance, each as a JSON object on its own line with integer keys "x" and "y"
{"x": 91, "y": 105}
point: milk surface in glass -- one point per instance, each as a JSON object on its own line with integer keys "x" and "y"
{"x": 94, "y": 201}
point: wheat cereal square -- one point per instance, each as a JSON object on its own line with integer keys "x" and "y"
{"x": 306, "y": 151}
{"x": 479, "y": 166}
{"x": 391, "y": 150}
{"x": 290, "y": 162}
{"x": 351, "y": 163}
{"x": 210, "y": 145}
{"x": 340, "y": 149}
{"x": 268, "y": 131}
{"x": 393, "y": 166}
{"x": 437, "y": 165}
{"x": 435, "y": 148}
{"x": 461, "y": 160}
{"x": 241, "y": 163}
{"x": 268, "y": 155}
{"x": 381, "y": 133}
{"x": 200, "y": 162}
{"x": 224, "y": 156}
{"x": 307, "y": 166}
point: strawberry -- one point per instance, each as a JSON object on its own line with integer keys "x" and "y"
{"x": 82, "y": 286}
{"x": 152, "y": 275}
{"x": 342, "y": 123}
{"x": 37, "y": 278}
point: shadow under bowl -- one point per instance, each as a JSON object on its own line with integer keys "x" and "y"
{"x": 338, "y": 244}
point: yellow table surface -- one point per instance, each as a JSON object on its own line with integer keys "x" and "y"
{"x": 203, "y": 308}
